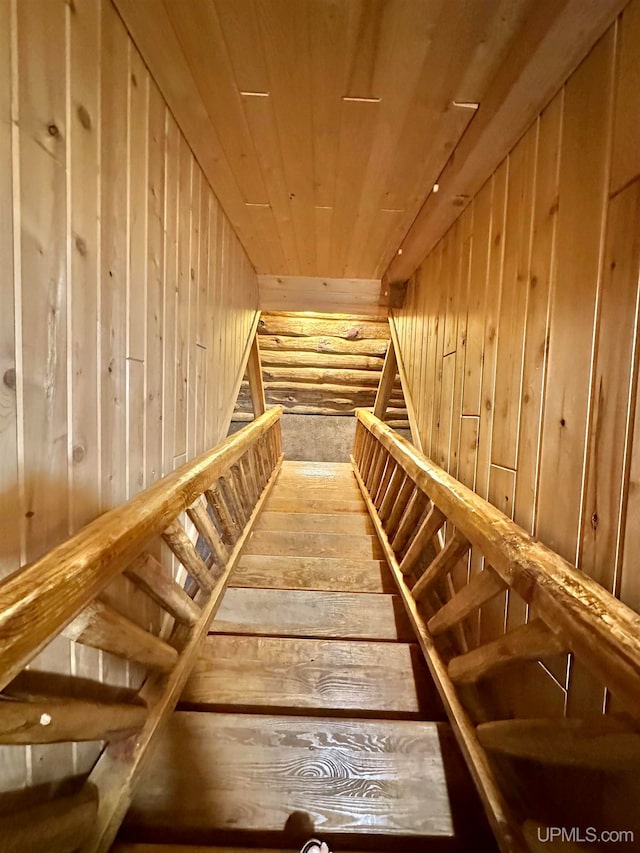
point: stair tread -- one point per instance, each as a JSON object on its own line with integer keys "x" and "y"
{"x": 303, "y": 613}
{"x": 320, "y": 675}
{"x": 316, "y": 491}
{"x": 220, "y": 772}
{"x": 303, "y": 503}
{"x": 313, "y": 573}
{"x": 286, "y": 543}
{"x": 306, "y": 522}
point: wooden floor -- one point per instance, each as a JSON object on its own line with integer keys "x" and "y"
{"x": 310, "y": 710}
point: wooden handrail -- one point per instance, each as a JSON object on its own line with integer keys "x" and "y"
{"x": 66, "y": 592}
{"x": 568, "y": 612}
{"x": 592, "y": 623}
{"x": 38, "y": 601}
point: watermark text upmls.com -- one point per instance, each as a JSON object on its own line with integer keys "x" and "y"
{"x": 584, "y": 835}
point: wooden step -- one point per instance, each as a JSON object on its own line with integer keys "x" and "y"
{"x": 303, "y": 522}
{"x": 316, "y": 492}
{"x": 294, "y": 613}
{"x": 321, "y": 573}
{"x": 303, "y": 503}
{"x": 282, "y": 543}
{"x": 330, "y": 676}
{"x": 237, "y": 772}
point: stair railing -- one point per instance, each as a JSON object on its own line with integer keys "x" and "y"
{"x": 222, "y": 492}
{"x": 430, "y": 525}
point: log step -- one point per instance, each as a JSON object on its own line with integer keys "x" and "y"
{"x": 306, "y": 504}
{"x": 302, "y": 676}
{"x": 313, "y": 573}
{"x": 303, "y": 522}
{"x": 297, "y": 613}
{"x": 281, "y": 543}
{"x": 216, "y": 773}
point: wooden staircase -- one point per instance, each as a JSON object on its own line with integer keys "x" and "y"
{"x": 310, "y": 710}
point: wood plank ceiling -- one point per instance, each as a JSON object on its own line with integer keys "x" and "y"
{"x": 323, "y": 124}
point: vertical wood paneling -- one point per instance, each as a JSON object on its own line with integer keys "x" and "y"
{"x": 100, "y": 280}
{"x": 549, "y": 421}
{"x": 12, "y": 760}
{"x": 545, "y": 216}
{"x": 583, "y": 174}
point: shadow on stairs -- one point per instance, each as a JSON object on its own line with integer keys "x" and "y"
{"x": 310, "y": 710}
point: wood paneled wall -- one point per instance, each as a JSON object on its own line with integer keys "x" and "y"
{"x": 519, "y": 335}
{"x": 127, "y": 302}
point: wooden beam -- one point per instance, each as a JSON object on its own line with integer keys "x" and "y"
{"x": 198, "y": 514}
{"x": 299, "y": 358}
{"x": 60, "y": 825}
{"x": 176, "y": 538}
{"x": 503, "y": 823}
{"x": 323, "y": 343}
{"x": 148, "y": 574}
{"x": 55, "y": 720}
{"x": 528, "y": 642}
{"x": 387, "y": 381}
{"x": 601, "y": 743}
{"x": 254, "y": 370}
{"x": 445, "y": 561}
{"x": 40, "y": 599}
{"x": 556, "y": 38}
{"x": 119, "y": 766}
{"x": 349, "y": 328}
{"x": 408, "y": 522}
{"x": 480, "y": 589}
{"x": 602, "y": 631}
{"x": 101, "y": 627}
{"x": 428, "y": 529}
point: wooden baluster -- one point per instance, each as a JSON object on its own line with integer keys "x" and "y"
{"x": 404, "y": 495}
{"x": 245, "y": 484}
{"x": 378, "y": 471}
{"x": 242, "y": 492}
{"x": 357, "y": 443}
{"x": 48, "y": 719}
{"x": 272, "y": 450}
{"x": 428, "y": 529}
{"x": 384, "y": 482}
{"x": 229, "y": 527}
{"x": 600, "y": 743}
{"x": 528, "y": 642}
{"x": 250, "y": 470}
{"x": 198, "y": 514}
{"x": 393, "y": 490}
{"x": 453, "y": 551}
{"x": 480, "y": 589}
{"x": 378, "y": 454}
{"x": 260, "y": 470}
{"x": 370, "y": 445}
{"x": 101, "y": 627}
{"x": 232, "y": 499}
{"x": 176, "y": 538}
{"x": 149, "y": 575}
{"x": 277, "y": 431}
{"x": 408, "y": 522}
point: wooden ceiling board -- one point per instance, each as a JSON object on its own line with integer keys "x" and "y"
{"x": 318, "y": 184}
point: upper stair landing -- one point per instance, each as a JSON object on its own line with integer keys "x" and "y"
{"x": 310, "y": 710}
